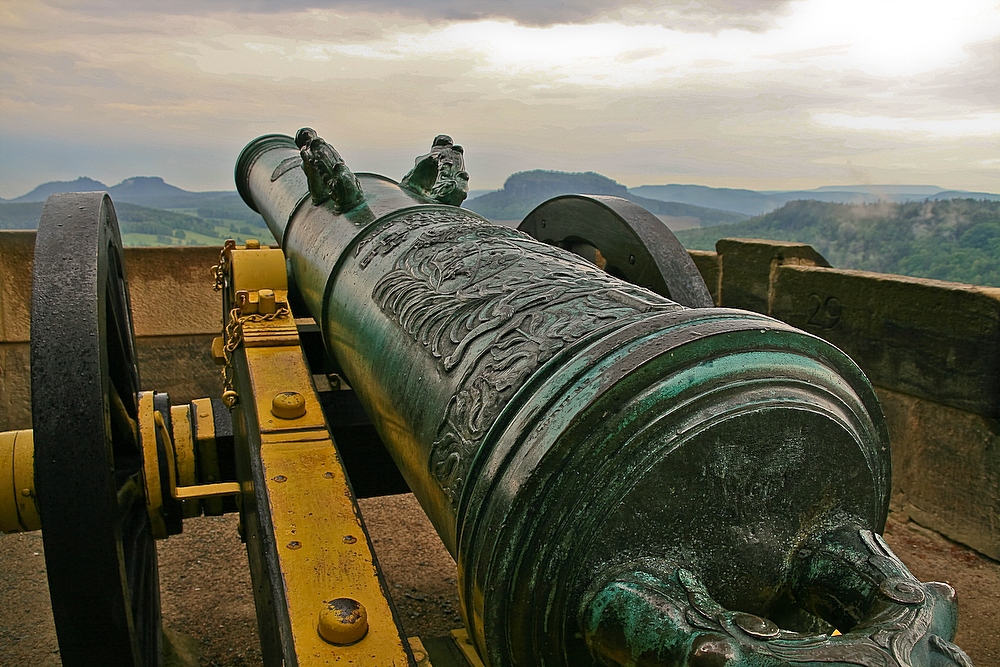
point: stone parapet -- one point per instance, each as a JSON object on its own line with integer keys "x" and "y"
{"x": 175, "y": 311}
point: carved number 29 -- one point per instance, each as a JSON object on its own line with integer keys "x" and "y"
{"x": 823, "y": 313}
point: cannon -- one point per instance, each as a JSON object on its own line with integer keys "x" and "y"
{"x": 625, "y": 474}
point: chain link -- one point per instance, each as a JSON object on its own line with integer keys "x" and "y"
{"x": 233, "y": 339}
{"x": 233, "y": 334}
{"x": 219, "y": 270}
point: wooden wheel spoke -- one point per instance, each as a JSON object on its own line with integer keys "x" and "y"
{"x": 124, "y": 430}
{"x": 128, "y": 494}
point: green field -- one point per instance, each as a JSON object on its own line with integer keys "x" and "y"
{"x": 145, "y": 226}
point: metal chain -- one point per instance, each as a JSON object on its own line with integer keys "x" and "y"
{"x": 219, "y": 270}
{"x": 234, "y": 327}
{"x": 233, "y": 339}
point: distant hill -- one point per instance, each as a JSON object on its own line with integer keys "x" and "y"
{"x": 42, "y": 192}
{"x": 525, "y": 190}
{"x": 152, "y": 191}
{"x": 753, "y": 202}
{"x": 149, "y": 191}
{"x": 955, "y": 239}
{"x": 20, "y": 215}
{"x": 151, "y": 212}
{"x": 888, "y": 190}
{"x": 748, "y": 202}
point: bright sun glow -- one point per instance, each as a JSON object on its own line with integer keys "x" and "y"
{"x": 893, "y": 39}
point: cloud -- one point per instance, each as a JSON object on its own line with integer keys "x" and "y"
{"x": 975, "y": 125}
{"x": 793, "y": 98}
{"x": 693, "y": 14}
{"x": 820, "y": 35}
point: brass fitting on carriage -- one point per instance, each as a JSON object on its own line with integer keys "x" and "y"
{"x": 18, "y": 512}
{"x": 254, "y": 288}
{"x": 181, "y": 471}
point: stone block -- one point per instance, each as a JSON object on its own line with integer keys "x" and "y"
{"x": 15, "y": 386}
{"x": 928, "y": 338}
{"x": 172, "y": 290}
{"x": 746, "y": 266}
{"x": 945, "y": 469}
{"x": 181, "y": 366}
{"x": 710, "y": 268}
{"x": 16, "y": 260}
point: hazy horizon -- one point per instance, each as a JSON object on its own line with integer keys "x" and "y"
{"x": 876, "y": 188}
{"x": 763, "y": 95}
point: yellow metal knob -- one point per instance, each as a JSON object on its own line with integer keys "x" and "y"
{"x": 343, "y": 621}
{"x": 288, "y": 405}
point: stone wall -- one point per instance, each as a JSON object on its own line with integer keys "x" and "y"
{"x": 176, "y": 314}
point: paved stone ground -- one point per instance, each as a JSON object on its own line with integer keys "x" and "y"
{"x": 206, "y": 586}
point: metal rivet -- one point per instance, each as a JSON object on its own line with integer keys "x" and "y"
{"x": 280, "y": 478}
{"x": 350, "y": 539}
{"x": 631, "y": 259}
{"x": 294, "y": 544}
{"x": 755, "y": 626}
{"x": 288, "y": 405}
{"x": 902, "y": 591}
{"x": 343, "y": 621}
{"x": 328, "y": 475}
{"x": 26, "y": 493}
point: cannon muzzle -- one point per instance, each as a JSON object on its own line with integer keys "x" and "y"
{"x": 622, "y": 479}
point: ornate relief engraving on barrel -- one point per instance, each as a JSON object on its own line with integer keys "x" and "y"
{"x": 463, "y": 280}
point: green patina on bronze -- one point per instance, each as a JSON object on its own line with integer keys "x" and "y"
{"x": 622, "y": 480}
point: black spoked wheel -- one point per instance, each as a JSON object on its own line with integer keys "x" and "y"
{"x": 99, "y": 549}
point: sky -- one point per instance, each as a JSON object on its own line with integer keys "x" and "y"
{"x": 729, "y": 93}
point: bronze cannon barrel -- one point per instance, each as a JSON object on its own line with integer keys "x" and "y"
{"x": 604, "y": 463}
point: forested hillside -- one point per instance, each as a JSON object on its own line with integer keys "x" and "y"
{"x": 753, "y": 202}
{"x": 956, "y": 239}
{"x": 525, "y": 190}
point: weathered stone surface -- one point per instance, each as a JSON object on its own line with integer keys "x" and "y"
{"x": 933, "y": 339}
{"x": 15, "y": 386}
{"x": 710, "y": 267}
{"x": 175, "y": 313}
{"x": 18, "y": 250}
{"x": 945, "y": 469}
{"x": 181, "y": 366}
{"x": 172, "y": 290}
{"x": 746, "y": 266}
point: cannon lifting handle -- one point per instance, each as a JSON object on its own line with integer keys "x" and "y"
{"x": 847, "y": 576}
